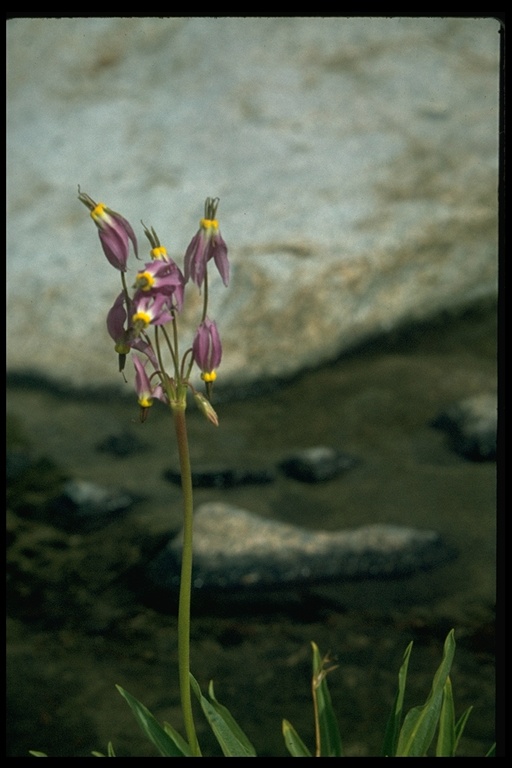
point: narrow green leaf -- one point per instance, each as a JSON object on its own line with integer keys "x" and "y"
{"x": 395, "y": 718}
{"x": 492, "y": 751}
{"x": 177, "y": 738}
{"x": 97, "y": 754}
{"x": 446, "y": 733}
{"x": 326, "y": 725}
{"x": 420, "y": 723}
{"x": 164, "y": 742}
{"x": 459, "y": 727}
{"x": 293, "y": 742}
{"x": 230, "y": 720}
{"x": 226, "y": 731}
{"x": 36, "y": 754}
{"x": 110, "y": 750}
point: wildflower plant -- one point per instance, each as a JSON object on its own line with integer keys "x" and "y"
{"x": 143, "y": 323}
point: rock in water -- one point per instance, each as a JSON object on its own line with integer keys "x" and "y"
{"x": 471, "y": 425}
{"x": 234, "y": 548}
{"x": 316, "y": 464}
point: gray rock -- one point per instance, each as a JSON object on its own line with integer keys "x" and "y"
{"x": 84, "y": 506}
{"x": 235, "y": 549}
{"x": 220, "y": 476}
{"x": 471, "y": 425}
{"x": 316, "y": 464}
{"x": 122, "y": 445}
{"x": 355, "y": 159}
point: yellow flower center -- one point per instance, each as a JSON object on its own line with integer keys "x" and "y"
{"x": 145, "y": 281}
{"x": 208, "y": 376}
{"x": 145, "y": 402}
{"x": 209, "y": 224}
{"x": 141, "y": 318}
{"x": 159, "y": 253}
{"x": 98, "y": 212}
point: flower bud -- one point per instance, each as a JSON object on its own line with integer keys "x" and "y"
{"x": 206, "y": 408}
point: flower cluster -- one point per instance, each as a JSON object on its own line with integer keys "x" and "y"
{"x": 155, "y": 299}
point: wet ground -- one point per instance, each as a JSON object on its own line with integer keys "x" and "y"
{"x": 79, "y": 622}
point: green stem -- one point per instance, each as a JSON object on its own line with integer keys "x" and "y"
{"x": 180, "y": 424}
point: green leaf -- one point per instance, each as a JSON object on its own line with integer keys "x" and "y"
{"x": 110, "y": 750}
{"x": 395, "y": 718}
{"x": 166, "y": 744}
{"x": 177, "y": 738}
{"x": 293, "y": 742}
{"x": 492, "y": 751}
{"x": 230, "y": 720}
{"x": 231, "y": 738}
{"x": 446, "y": 734}
{"x": 328, "y": 740}
{"x": 459, "y": 727}
{"x": 420, "y": 723}
{"x": 36, "y": 754}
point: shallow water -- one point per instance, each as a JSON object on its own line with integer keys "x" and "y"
{"x": 375, "y": 404}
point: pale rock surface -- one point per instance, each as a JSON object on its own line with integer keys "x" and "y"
{"x": 235, "y": 548}
{"x": 355, "y": 158}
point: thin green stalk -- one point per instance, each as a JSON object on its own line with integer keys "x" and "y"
{"x": 178, "y": 411}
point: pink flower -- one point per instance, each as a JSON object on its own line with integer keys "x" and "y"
{"x": 162, "y": 277}
{"x": 207, "y": 349}
{"x": 150, "y": 310}
{"x": 146, "y": 392}
{"x": 113, "y": 230}
{"x": 124, "y": 337}
{"x": 207, "y": 244}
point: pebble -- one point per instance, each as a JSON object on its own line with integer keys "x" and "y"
{"x": 316, "y": 464}
{"x": 223, "y": 477}
{"x": 471, "y": 425}
{"x": 122, "y": 445}
{"x": 84, "y": 506}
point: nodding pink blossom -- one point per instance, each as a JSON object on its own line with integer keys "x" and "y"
{"x": 150, "y": 310}
{"x": 207, "y": 349}
{"x": 113, "y": 230}
{"x": 207, "y": 244}
{"x": 124, "y": 337}
{"x": 146, "y": 392}
{"x": 160, "y": 276}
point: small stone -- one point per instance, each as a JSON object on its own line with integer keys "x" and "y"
{"x": 223, "y": 477}
{"x": 316, "y": 464}
{"x": 471, "y": 425}
{"x": 122, "y": 445}
{"x": 85, "y": 506}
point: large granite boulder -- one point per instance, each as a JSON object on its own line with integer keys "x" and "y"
{"x": 355, "y": 159}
